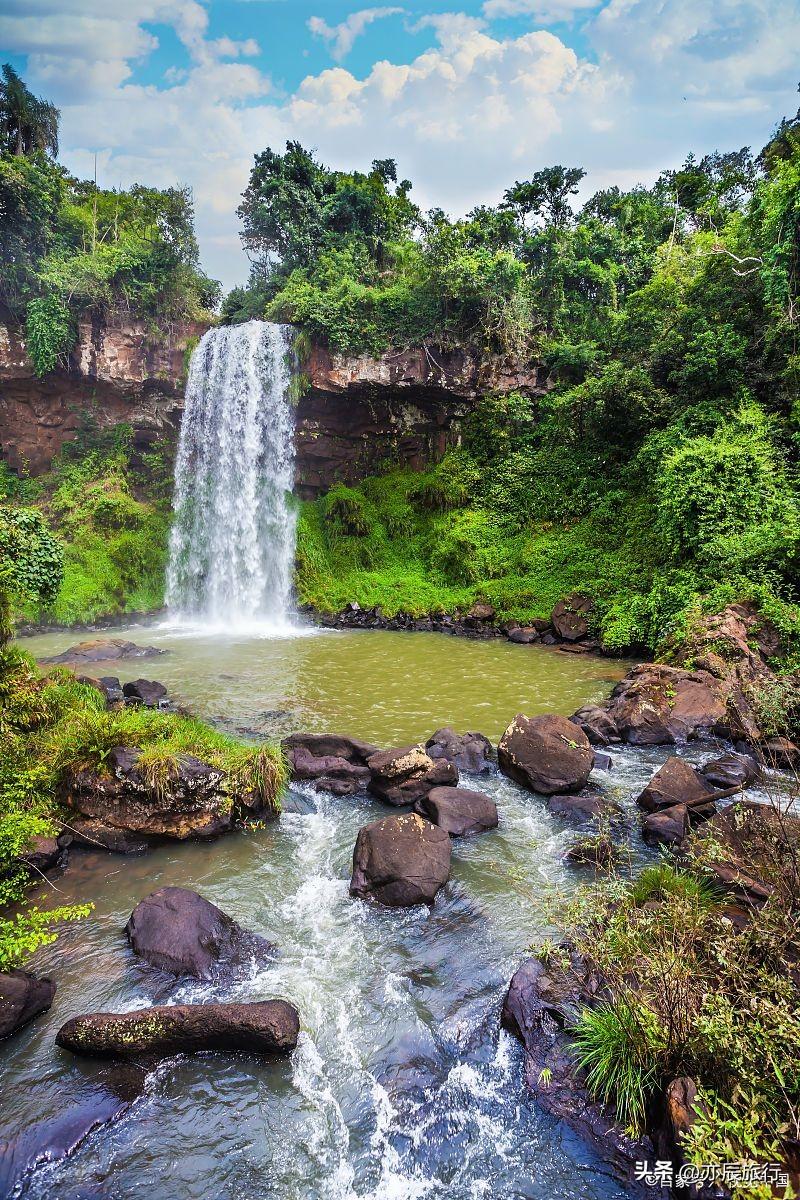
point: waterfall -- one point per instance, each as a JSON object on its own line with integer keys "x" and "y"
{"x": 233, "y": 535}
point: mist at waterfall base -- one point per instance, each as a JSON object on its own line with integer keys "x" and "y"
{"x": 233, "y": 536}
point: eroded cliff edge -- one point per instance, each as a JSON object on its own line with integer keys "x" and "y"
{"x": 355, "y": 415}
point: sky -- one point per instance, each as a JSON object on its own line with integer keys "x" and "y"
{"x": 467, "y": 95}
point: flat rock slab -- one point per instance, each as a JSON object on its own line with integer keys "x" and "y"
{"x": 400, "y": 861}
{"x": 22, "y": 997}
{"x": 266, "y": 1027}
{"x": 103, "y": 650}
{"x": 458, "y": 811}
{"x": 179, "y": 931}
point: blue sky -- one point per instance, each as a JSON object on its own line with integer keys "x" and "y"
{"x": 467, "y": 95}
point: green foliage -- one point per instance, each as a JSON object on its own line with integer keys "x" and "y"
{"x": 619, "y": 1045}
{"x": 31, "y": 563}
{"x": 27, "y": 122}
{"x": 49, "y": 331}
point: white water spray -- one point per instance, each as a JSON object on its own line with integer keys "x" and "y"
{"x": 233, "y": 536}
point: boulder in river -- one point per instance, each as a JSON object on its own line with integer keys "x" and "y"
{"x": 404, "y": 776}
{"x": 730, "y": 771}
{"x": 570, "y": 618}
{"x": 598, "y": 725}
{"x": 543, "y": 1001}
{"x": 471, "y": 752}
{"x": 148, "y": 692}
{"x": 22, "y": 997}
{"x": 179, "y": 931}
{"x": 400, "y": 861}
{"x": 597, "y": 851}
{"x": 666, "y": 826}
{"x": 103, "y": 650}
{"x": 108, "y": 685}
{"x": 332, "y": 762}
{"x": 458, "y": 811}
{"x": 547, "y": 754}
{"x": 46, "y": 853}
{"x": 657, "y": 705}
{"x": 264, "y": 1027}
{"x": 676, "y": 782}
{"x": 189, "y": 802}
{"x": 585, "y": 806}
{"x": 524, "y": 635}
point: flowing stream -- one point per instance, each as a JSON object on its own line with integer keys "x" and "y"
{"x": 402, "y": 1086}
{"x": 232, "y": 544}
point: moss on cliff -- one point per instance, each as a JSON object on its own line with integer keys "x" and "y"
{"x": 110, "y": 507}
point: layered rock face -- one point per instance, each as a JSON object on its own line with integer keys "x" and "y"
{"x": 356, "y": 413}
{"x": 121, "y": 371}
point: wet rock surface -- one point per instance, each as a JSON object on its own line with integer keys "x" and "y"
{"x": 458, "y": 811}
{"x": 472, "y": 752}
{"x": 676, "y": 782}
{"x": 103, "y": 650}
{"x": 332, "y": 762}
{"x": 263, "y": 1027}
{"x": 400, "y": 861}
{"x": 547, "y": 754}
{"x": 584, "y": 806}
{"x": 179, "y": 931}
{"x": 148, "y": 692}
{"x": 22, "y": 997}
{"x": 403, "y": 776}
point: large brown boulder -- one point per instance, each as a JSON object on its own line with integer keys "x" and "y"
{"x": 570, "y": 618}
{"x": 547, "y": 754}
{"x": 148, "y": 692}
{"x": 676, "y": 782}
{"x": 660, "y": 705}
{"x": 331, "y": 761}
{"x": 400, "y": 861}
{"x": 178, "y": 931}
{"x": 667, "y": 826}
{"x": 404, "y": 776}
{"x": 190, "y": 803}
{"x": 22, "y": 997}
{"x": 730, "y": 771}
{"x": 266, "y": 1027}
{"x": 458, "y": 811}
{"x": 472, "y": 752}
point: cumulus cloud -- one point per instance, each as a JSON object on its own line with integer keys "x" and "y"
{"x": 463, "y": 117}
{"x": 340, "y": 38}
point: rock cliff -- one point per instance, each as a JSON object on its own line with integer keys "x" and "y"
{"x": 356, "y": 414}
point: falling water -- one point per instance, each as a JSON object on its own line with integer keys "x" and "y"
{"x": 232, "y": 542}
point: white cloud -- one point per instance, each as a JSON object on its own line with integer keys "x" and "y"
{"x": 340, "y": 38}
{"x": 464, "y": 118}
{"x": 540, "y": 10}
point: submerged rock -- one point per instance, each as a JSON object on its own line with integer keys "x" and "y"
{"x": 22, "y": 997}
{"x": 264, "y": 1027}
{"x": 332, "y": 762}
{"x": 400, "y": 861}
{"x": 179, "y": 931}
{"x": 46, "y": 853}
{"x": 458, "y": 811}
{"x": 103, "y": 650}
{"x": 189, "y": 802}
{"x": 472, "y": 752}
{"x": 404, "y": 776}
{"x": 583, "y": 807}
{"x": 547, "y": 754}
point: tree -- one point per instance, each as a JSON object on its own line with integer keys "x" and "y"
{"x": 31, "y": 563}
{"x": 546, "y": 195}
{"x": 27, "y": 123}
